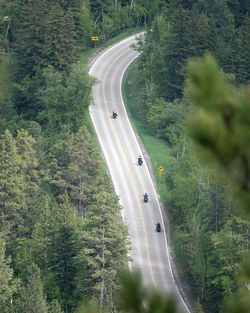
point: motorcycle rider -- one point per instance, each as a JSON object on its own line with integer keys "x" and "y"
{"x": 140, "y": 160}
{"x": 145, "y": 197}
{"x": 114, "y": 113}
{"x": 158, "y": 227}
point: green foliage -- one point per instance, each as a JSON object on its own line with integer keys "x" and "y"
{"x": 135, "y": 298}
{"x": 63, "y": 252}
{"x": 221, "y": 125}
{"x": 240, "y": 302}
{"x": 242, "y": 57}
{"x": 64, "y": 102}
{"x": 55, "y": 211}
{"x": 8, "y": 284}
{"x": 30, "y": 298}
{"x": 83, "y": 170}
{"x": 165, "y": 120}
{"x": 44, "y": 35}
{"x": 8, "y": 116}
{"x": 29, "y": 30}
{"x": 12, "y": 185}
{"x": 59, "y": 40}
{"x": 104, "y": 248}
{"x": 189, "y": 29}
{"x": 54, "y": 307}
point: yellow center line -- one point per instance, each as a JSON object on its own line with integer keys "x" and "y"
{"x": 128, "y": 167}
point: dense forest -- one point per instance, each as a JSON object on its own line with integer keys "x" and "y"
{"x": 57, "y": 204}
{"x": 61, "y": 235}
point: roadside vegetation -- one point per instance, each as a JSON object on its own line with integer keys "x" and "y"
{"x": 209, "y": 232}
{"x": 62, "y": 243}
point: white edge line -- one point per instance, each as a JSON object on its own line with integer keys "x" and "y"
{"x": 158, "y": 204}
{"x": 139, "y": 148}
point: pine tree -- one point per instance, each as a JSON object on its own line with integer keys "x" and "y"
{"x": 239, "y": 9}
{"x": 221, "y": 124}
{"x": 30, "y": 172}
{"x": 104, "y": 246}
{"x": 13, "y": 204}
{"x": 63, "y": 251}
{"x": 30, "y": 298}
{"x": 59, "y": 43}
{"x": 82, "y": 170}
{"x": 242, "y": 55}
{"x": 60, "y": 157}
{"x": 176, "y": 54}
{"x": 8, "y": 284}
{"x": 51, "y": 96}
{"x": 29, "y": 31}
{"x": 83, "y": 21}
{"x": 42, "y": 245}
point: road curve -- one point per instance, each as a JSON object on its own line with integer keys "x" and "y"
{"x": 120, "y": 149}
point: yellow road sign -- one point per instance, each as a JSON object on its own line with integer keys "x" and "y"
{"x": 160, "y": 168}
{"x": 94, "y": 38}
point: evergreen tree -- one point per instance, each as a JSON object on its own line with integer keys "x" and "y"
{"x": 239, "y": 9}
{"x": 28, "y": 41}
{"x": 52, "y": 94}
{"x": 176, "y": 54}
{"x": 99, "y": 7}
{"x": 104, "y": 246}
{"x": 59, "y": 158}
{"x": 83, "y": 21}
{"x": 220, "y": 127}
{"x": 12, "y": 186}
{"x": 30, "y": 298}
{"x": 42, "y": 245}
{"x": 82, "y": 170}
{"x": 242, "y": 55}
{"x": 222, "y": 31}
{"x": 8, "y": 284}
{"x": 64, "y": 102}
{"x": 59, "y": 42}
{"x": 63, "y": 251}
{"x": 224, "y": 130}
{"x": 30, "y": 172}
{"x": 29, "y": 36}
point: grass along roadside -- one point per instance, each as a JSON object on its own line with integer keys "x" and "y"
{"x": 157, "y": 150}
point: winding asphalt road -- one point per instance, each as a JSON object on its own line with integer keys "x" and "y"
{"x": 121, "y": 150}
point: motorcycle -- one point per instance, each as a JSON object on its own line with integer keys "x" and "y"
{"x": 158, "y": 227}
{"x": 115, "y": 114}
{"x": 145, "y": 197}
{"x": 140, "y": 161}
